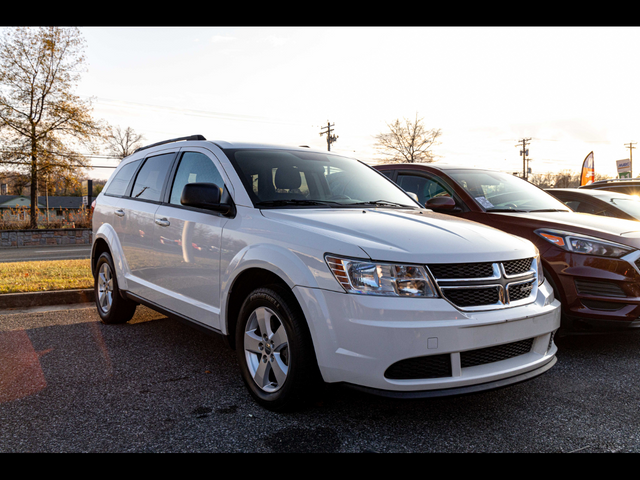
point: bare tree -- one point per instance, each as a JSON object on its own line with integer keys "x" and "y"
{"x": 123, "y": 143}
{"x": 408, "y": 141}
{"x": 563, "y": 179}
{"x": 41, "y": 120}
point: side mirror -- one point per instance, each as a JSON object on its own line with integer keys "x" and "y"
{"x": 441, "y": 203}
{"x": 204, "y": 195}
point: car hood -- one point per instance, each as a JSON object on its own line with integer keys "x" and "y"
{"x": 413, "y": 236}
{"x": 615, "y": 229}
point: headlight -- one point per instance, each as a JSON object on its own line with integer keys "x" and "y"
{"x": 375, "y": 278}
{"x": 584, "y": 244}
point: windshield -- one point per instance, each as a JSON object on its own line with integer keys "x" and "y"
{"x": 282, "y": 178}
{"x": 502, "y": 192}
{"x": 629, "y": 205}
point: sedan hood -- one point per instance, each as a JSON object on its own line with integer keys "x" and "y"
{"x": 412, "y": 236}
{"x": 614, "y": 229}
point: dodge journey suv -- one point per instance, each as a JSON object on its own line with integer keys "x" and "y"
{"x": 318, "y": 269}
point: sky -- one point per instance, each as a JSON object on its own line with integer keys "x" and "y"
{"x": 570, "y": 90}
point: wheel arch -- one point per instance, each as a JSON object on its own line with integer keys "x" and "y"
{"x": 105, "y": 239}
{"x": 243, "y": 284}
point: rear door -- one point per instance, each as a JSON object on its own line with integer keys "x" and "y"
{"x": 135, "y": 213}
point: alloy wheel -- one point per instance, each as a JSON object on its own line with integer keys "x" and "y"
{"x": 266, "y": 349}
{"x": 105, "y": 287}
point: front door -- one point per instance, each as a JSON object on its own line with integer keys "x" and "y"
{"x": 188, "y": 244}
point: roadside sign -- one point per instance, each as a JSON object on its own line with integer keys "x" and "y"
{"x": 624, "y": 168}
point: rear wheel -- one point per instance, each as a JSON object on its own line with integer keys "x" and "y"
{"x": 112, "y": 307}
{"x": 276, "y": 356}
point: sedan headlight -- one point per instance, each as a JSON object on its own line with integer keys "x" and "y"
{"x": 576, "y": 243}
{"x": 376, "y": 278}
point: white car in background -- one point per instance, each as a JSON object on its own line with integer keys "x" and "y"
{"x": 319, "y": 269}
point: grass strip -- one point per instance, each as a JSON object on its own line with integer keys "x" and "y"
{"x": 38, "y": 276}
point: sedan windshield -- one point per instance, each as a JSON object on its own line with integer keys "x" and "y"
{"x": 286, "y": 178}
{"x": 502, "y": 192}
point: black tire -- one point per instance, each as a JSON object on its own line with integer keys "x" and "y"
{"x": 112, "y": 307}
{"x": 278, "y": 365}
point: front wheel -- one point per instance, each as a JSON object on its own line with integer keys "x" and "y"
{"x": 275, "y": 352}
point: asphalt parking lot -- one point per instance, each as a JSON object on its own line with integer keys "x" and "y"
{"x": 70, "y": 384}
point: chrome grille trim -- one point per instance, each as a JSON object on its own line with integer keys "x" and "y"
{"x": 512, "y": 283}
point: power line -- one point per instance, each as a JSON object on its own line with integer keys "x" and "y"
{"x": 203, "y": 113}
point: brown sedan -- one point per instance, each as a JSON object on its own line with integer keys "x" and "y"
{"x": 592, "y": 262}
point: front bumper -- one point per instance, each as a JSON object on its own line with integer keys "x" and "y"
{"x": 418, "y": 347}
{"x": 598, "y": 294}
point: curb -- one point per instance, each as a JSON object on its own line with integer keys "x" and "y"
{"x": 40, "y": 299}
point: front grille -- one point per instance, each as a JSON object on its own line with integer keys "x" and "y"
{"x": 516, "y": 267}
{"x": 520, "y": 291}
{"x": 462, "y": 270}
{"x": 486, "y": 285}
{"x": 467, "y": 297}
{"x": 439, "y": 366}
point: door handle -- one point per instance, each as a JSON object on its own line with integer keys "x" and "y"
{"x": 119, "y": 213}
{"x": 163, "y": 222}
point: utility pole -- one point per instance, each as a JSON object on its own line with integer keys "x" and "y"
{"x": 631, "y": 147}
{"x": 330, "y": 138}
{"x": 524, "y": 152}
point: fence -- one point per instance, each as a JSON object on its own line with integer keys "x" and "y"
{"x": 43, "y": 237}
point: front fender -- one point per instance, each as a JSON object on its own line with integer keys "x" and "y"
{"x": 108, "y": 235}
{"x": 294, "y": 268}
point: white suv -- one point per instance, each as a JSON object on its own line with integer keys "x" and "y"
{"x": 317, "y": 269}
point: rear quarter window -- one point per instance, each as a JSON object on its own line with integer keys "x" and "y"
{"x": 118, "y": 186}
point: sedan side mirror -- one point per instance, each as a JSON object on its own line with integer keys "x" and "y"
{"x": 204, "y": 195}
{"x": 441, "y": 203}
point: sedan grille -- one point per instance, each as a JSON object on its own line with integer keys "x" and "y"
{"x": 482, "y": 286}
{"x": 599, "y": 289}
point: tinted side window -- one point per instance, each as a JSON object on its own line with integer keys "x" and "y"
{"x": 425, "y": 188}
{"x": 120, "y": 182}
{"x": 194, "y": 167}
{"x": 151, "y": 177}
{"x": 586, "y": 207}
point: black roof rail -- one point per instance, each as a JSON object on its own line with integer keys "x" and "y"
{"x": 190, "y": 137}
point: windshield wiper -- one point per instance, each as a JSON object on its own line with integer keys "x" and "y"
{"x": 506, "y": 210}
{"x": 551, "y": 210}
{"x": 295, "y": 201}
{"x": 381, "y": 203}
{"x": 526, "y": 211}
